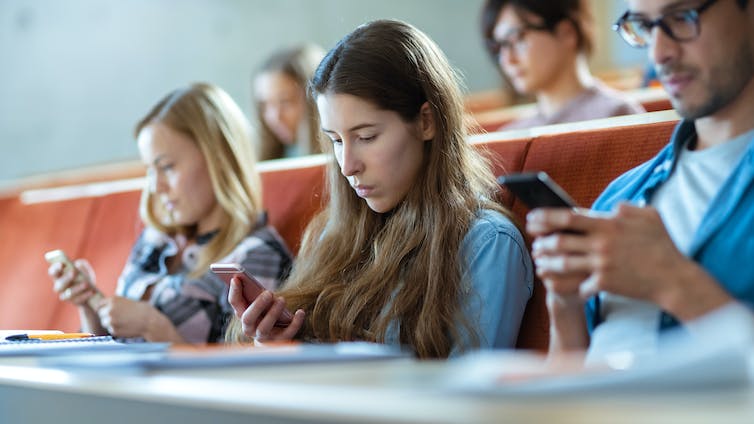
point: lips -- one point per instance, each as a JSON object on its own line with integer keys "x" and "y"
{"x": 363, "y": 190}
{"x": 676, "y": 83}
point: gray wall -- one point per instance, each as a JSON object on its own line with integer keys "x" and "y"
{"x": 77, "y": 74}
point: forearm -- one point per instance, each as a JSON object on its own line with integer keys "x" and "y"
{"x": 693, "y": 293}
{"x": 568, "y": 331}
{"x": 160, "y": 329}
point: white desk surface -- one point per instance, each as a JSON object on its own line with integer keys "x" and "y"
{"x": 398, "y": 391}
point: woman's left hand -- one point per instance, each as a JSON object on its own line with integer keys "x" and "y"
{"x": 123, "y": 317}
{"x": 258, "y": 319}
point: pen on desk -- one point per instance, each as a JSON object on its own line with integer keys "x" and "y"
{"x": 50, "y": 336}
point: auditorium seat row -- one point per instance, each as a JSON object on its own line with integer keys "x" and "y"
{"x": 100, "y": 221}
{"x": 487, "y": 120}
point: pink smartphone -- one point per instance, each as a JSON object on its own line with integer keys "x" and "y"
{"x": 251, "y": 287}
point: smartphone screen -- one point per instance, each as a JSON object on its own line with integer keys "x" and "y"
{"x": 251, "y": 287}
{"x": 537, "y": 190}
{"x": 59, "y": 256}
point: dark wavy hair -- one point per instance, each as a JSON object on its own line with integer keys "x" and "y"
{"x": 551, "y": 12}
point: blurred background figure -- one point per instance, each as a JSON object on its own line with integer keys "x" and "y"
{"x": 542, "y": 48}
{"x": 287, "y": 117}
{"x": 202, "y": 203}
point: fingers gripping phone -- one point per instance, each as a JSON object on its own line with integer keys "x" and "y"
{"x": 251, "y": 287}
{"x": 537, "y": 190}
{"x": 58, "y": 256}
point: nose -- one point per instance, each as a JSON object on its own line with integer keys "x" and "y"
{"x": 272, "y": 114}
{"x": 662, "y": 49}
{"x": 507, "y": 56}
{"x": 157, "y": 183}
{"x": 350, "y": 161}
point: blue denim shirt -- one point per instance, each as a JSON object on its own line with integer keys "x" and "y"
{"x": 724, "y": 242}
{"x": 499, "y": 280}
{"x": 500, "y": 272}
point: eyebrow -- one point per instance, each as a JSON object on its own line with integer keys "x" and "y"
{"x": 352, "y": 129}
{"x": 156, "y": 161}
{"x": 672, "y": 7}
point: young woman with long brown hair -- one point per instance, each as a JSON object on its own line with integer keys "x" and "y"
{"x": 411, "y": 248}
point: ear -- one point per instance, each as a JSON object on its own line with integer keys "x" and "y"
{"x": 427, "y": 122}
{"x": 565, "y": 31}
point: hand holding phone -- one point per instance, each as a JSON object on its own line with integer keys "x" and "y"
{"x": 251, "y": 287}
{"x": 537, "y": 190}
{"x": 59, "y": 256}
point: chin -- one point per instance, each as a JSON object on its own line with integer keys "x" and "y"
{"x": 379, "y": 207}
{"x": 521, "y": 88}
{"x": 180, "y": 220}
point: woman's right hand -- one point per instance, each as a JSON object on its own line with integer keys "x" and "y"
{"x": 69, "y": 288}
{"x": 258, "y": 318}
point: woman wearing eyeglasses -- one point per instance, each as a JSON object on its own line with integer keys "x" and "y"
{"x": 542, "y": 48}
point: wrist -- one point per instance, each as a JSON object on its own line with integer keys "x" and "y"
{"x": 154, "y": 325}
{"x": 690, "y": 292}
{"x": 562, "y": 309}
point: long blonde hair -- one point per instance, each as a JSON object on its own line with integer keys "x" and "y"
{"x": 298, "y": 63}
{"x": 209, "y": 116}
{"x": 359, "y": 272}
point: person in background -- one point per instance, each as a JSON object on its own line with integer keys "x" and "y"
{"x": 287, "y": 117}
{"x": 542, "y": 48}
{"x": 202, "y": 203}
{"x": 678, "y": 244}
{"x": 411, "y": 249}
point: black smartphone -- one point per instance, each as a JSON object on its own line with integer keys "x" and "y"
{"x": 537, "y": 190}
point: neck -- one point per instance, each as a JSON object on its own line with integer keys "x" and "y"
{"x": 211, "y": 222}
{"x": 568, "y": 84}
{"x": 736, "y": 118}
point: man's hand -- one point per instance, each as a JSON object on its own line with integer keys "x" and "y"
{"x": 628, "y": 253}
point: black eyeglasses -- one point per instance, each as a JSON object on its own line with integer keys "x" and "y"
{"x": 681, "y": 25}
{"x": 516, "y": 41}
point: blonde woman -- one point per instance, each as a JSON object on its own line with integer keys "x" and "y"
{"x": 411, "y": 249}
{"x": 202, "y": 204}
{"x": 287, "y": 117}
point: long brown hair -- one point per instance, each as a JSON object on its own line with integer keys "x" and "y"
{"x": 298, "y": 63}
{"x": 209, "y": 117}
{"x": 360, "y": 272}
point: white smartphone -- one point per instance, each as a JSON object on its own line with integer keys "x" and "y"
{"x": 59, "y": 256}
{"x": 251, "y": 287}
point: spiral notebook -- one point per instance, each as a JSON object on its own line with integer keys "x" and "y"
{"x": 97, "y": 344}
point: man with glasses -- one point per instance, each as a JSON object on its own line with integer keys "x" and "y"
{"x": 679, "y": 239}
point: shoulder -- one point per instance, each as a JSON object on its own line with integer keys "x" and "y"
{"x": 491, "y": 225}
{"x": 628, "y": 185}
{"x": 524, "y": 122}
{"x": 614, "y": 102}
{"x": 153, "y": 237}
{"x": 263, "y": 240}
{"x": 150, "y": 246}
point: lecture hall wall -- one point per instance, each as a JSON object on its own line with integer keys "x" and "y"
{"x": 77, "y": 74}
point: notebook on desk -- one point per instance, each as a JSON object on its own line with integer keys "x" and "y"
{"x": 92, "y": 345}
{"x": 227, "y": 356}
